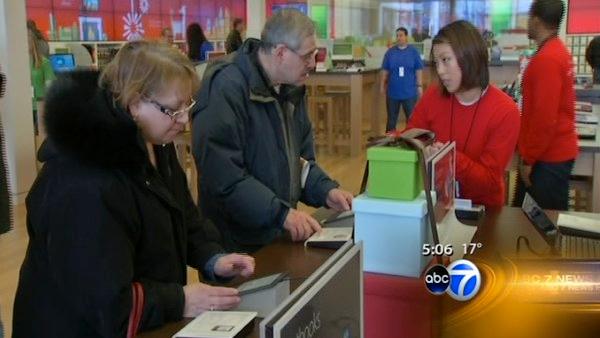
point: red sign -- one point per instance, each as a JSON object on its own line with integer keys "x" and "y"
{"x": 583, "y": 17}
{"x": 119, "y": 20}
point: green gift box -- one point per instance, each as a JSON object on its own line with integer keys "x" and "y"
{"x": 394, "y": 173}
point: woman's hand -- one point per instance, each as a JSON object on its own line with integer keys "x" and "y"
{"x": 432, "y": 149}
{"x": 234, "y": 264}
{"x": 201, "y": 297}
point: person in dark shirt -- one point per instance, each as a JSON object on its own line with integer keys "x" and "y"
{"x": 253, "y": 142}
{"x": 234, "y": 39}
{"x": 198, "y": 45}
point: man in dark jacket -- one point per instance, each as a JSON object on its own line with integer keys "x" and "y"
{"x": 234, "y": 39}
{"x": 253, "y": 142}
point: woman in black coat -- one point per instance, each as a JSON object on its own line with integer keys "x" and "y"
{"x": 110, "y": 219}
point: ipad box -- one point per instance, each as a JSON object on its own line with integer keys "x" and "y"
{"x": 265, "y": 300}
{"x": 393, "y": 233}
{"x": 394, "y": 173}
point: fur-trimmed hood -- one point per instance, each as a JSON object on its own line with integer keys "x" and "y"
{"x": 83, "y": 121}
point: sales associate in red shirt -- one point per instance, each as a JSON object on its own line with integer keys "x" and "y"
{"x": 465, "y": 108}
{"x": 547, "y": 141}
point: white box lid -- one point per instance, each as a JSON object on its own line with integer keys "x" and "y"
{"x": 415, "y": 208}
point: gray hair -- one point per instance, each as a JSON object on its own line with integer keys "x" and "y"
{"x": 289, "y": 27}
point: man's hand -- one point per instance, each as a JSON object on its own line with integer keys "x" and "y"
{"x": 233, "y": 265}
{"x": 339, "y": 200}
{"x": 525, "y": 173}
{"x": 419, "y": 91}
{"x": 300, "y": 225}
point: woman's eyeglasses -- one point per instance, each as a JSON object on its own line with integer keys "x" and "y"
{"x": 170, "y": 112}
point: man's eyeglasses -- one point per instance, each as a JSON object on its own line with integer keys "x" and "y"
{"x": 308, "y": 57}
{"x": 170, "y": 112}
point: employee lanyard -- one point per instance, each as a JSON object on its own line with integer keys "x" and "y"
{"x": 472, "y": 119}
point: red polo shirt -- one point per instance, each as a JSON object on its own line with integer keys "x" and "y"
{"x": 548, "y": 122}
{"x": 485, "y": 133}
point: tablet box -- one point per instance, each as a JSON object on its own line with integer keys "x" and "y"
{"x": 266, "y": 300}
{"x": 394, "y": 173}
{"x": 397, "y": 307}
{"x": 393, "y": 233}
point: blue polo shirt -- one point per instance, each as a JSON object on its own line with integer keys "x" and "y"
{"x": 402, "y": 66}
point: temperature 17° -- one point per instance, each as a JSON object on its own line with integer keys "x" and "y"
{"x": 469, "y": 248}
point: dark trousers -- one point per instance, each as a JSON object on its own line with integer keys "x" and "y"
{"x": 393, "y": 110}
{"x": 550, "y": 185}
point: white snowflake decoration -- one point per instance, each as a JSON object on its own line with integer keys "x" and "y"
{"x": 134, "y": 30}
{"x": 144, "y": 6}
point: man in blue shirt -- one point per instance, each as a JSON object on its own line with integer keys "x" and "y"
{"x": 402, "y": 71}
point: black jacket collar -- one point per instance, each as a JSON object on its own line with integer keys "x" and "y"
{"x": 83, "y": 121}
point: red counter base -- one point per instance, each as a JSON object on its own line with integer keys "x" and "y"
{"x": 397, "y": 307}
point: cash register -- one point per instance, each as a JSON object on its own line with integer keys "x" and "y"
{"x": 342, "y": 58}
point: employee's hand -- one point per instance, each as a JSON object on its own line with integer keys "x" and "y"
{"x": 434, "y": 148}
{"x": 201, "y": 297}
{"x": 300, "y": 225}
{"x": 339, "y": 200}
{"x": 420, "y": 91}
{"x": 525, "y": 173}
{"x": 234, "y": 264}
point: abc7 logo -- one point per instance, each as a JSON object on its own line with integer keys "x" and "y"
{"x": 461, "y": 280}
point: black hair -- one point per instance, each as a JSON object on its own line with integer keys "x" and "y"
{"x": 195, "y": 38}
{"x": 592, "y": 53}
{"x": 236, "y": 22}
{"x": 471, "y": 54}
{"x": 550, "y": 12}
{"x": 402, "y": 29}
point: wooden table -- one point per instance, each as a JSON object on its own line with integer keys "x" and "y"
{"x": 358, "y": 82}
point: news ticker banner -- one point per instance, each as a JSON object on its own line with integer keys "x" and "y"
{"x": 528, "y": 298}
{"x": 532, "y": 280}
{"x": 558, "y": 281}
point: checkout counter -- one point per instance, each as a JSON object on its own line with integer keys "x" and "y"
{"x": 346, "y": 69}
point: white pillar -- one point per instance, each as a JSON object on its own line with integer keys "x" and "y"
{"x": 15, "y": 107}
{"x": 256, "y": 16}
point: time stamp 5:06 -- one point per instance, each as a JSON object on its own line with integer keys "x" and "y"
{"x": 448, "y": 249}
